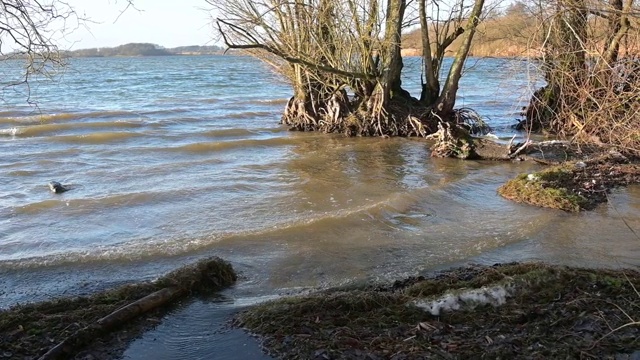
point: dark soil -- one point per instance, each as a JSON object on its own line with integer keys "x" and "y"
{"x": 550, "y": 313}
{"x": 28, "y": 331}
{"x": 575, "y": 185}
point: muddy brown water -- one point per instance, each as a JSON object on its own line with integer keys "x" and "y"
{"x": 174, "y": 159}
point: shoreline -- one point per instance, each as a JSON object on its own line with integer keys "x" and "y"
{"x": 319, "y": 323}
{"x": 503, "y": 311}
{"x": 94, "y": 326}
{"x": 579, "y": 183}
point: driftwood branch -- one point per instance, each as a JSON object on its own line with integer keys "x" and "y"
{"x": 522, "y": 147}
{"x": 82, "y": 337}
{"x": 207, "y": 275}
{"x": 532, "y": 146}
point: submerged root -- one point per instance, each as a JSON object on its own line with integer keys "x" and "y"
{"x": 298, "y": 116}
{"x": 400, "y": 117}
{"x": 361, "y": 117}
{"x": 471, "y": 121}
{"x": 452, "y": 141}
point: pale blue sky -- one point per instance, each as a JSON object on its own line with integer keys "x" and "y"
{"x": 168, "y": 23}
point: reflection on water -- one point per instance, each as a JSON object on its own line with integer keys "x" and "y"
{"x": 207, "y": 336}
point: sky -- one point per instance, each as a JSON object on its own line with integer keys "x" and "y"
{"x": 168, "y": 23}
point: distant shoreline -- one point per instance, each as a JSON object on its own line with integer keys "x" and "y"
{"x": 152, "y": 50}
{"x": 145, "y": 56}
{"x": 144, "y": 49}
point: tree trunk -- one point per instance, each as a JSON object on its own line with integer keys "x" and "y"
{"x": 430, "y": 89}
{"x": 447, "y": 99}
{"x": 300, "y": 113}
{"x": 619, "y": 26}
{"x": 568, "y": 41}
{"x": 566, "y": 69}
{"x": 392, "y": 59}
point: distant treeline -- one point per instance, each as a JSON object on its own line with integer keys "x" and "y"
{"x": 144, "y": 49}
{"x": 513, "y": 32}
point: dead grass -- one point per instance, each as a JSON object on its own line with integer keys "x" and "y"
{"x": 551, "y": 312}
{"x": 574, "y": 186}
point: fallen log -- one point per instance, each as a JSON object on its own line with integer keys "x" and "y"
{"x": 82, "y": 337}
{"x": 455, "y": 141}
{"x": 205, "y": 276}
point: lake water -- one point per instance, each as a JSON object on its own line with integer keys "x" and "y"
{"x": 172, "y": 159}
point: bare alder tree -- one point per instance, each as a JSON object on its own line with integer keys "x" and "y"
{"x": 438, "y": 31}
{"x": 313, "y": 44}
{"x": 591, "y": 64}
{"x": 344, "y": 60}
{"x": 446, "y": 101}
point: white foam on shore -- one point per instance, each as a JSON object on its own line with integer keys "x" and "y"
{"x": 496, "y": 296}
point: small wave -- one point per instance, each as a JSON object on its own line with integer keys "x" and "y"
{"x": 97, "y": 138}
{"x": 227, "y": 133}
{"x": 142, "y": 249}
{"x": 239, "y": 132}
{"x": 207, "y": 147}
{"x": 264, "y": 102}
{"x": 86, "y": 205}
{"x": 210, "y": 101}
{"x": 49, "y": 118}
{"x": 276, "y": 101}
{"x": 36, "y": 130}
{"x": 40, "y": 118}
{"x": 165, "y": 112}
{"x": 11, "y": 131}
{"x": 249, "y": 114}
{"x": 22, "y": 173}
{"x": 39, "y": 207}
{"x": 9, "y": 114}
{"x": 57, "y": 117}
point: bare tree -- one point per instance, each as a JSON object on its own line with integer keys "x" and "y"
{"x": 446, "y": 101}
{"x": 329, "y": 49}
{"x": 32, "y": 30}
{"x": 590, "y": 63}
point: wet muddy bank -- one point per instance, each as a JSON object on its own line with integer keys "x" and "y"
{"x": 524, "y": 310}
{"x": 101, "y": 326}
{"x": 574, "y": 185}
{"x": 501, "y": 311}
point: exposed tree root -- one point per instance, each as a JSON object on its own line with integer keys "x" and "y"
{"x": 455, "y": 136}
{"x": 401, "y": 117}
{"x": 452, "y": 141}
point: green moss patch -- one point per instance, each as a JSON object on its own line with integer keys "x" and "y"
{"x": 550, "y": 188}
{"x": 549, "y": 312}
{"x": 573, "y": 186}
{"x": 28, "y": 331}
